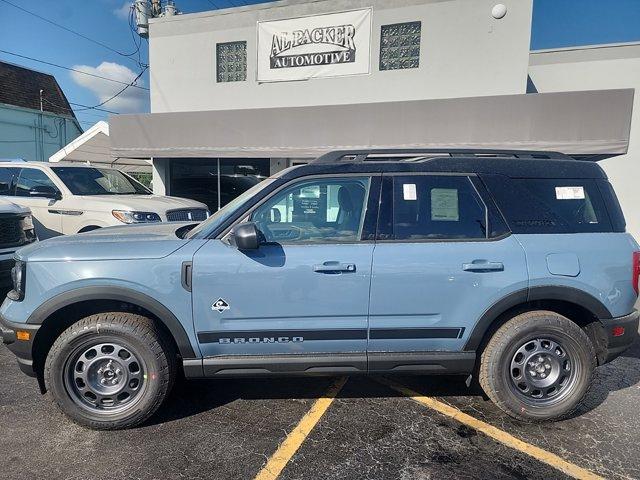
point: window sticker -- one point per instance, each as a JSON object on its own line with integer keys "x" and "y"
{"x": 570, "y": 193}
{"x": 409, "y": 191}
{"x": 444, "y": 205}
{"x": 311, "y": 191}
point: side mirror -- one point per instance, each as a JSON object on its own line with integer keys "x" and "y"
{"x": 245, "y": 236}
{"x": 45, "y": 191}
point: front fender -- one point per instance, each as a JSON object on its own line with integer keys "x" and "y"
{"x": 122, "y": 294}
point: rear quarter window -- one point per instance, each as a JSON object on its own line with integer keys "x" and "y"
{"x": 550, "y": 205}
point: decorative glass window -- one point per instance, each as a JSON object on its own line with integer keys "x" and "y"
{"x": 400, "y": 46}
{"x": 231, "y": 62}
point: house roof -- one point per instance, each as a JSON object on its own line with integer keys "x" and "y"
{"x": 20, "y": 86}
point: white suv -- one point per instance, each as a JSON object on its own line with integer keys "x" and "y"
{"x": 72, "y": 198}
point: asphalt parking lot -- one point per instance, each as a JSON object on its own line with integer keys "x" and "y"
{"x": 231, "y": 429}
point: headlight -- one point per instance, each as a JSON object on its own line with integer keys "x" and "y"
{"x": 136, "y": 217}
{"x": 27, "y": 222}
{"x": 18, "y": 276}
{"x": 28, "y": 228}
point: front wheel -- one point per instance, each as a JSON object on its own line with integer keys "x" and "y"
{"x": 538, "y": 366}
{"x": 110, "y": 370}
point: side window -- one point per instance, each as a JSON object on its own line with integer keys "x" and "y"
{"x": 7, "y": 180}
{"x": 434, "y": 207}
{"x": 315, "y": 211}
{"x": 549, "y": 205}
{"x": 32, "y": 180}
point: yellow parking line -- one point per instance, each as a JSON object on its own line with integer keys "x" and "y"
{"x": 294, "y": 440}
{"x": 489, "y": 430}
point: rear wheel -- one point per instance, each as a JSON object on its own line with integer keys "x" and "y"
{"x": 538, "y": 366}
{"x": 110, "y": 370}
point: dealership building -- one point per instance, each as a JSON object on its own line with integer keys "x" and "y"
{"x": 240, "y": 93}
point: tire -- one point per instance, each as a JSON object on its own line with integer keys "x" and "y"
{"x": 538, "y": 366}
{"x": 110, "y": 371}
{"x": 90, "y": 228}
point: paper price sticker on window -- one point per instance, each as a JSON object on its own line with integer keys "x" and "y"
{"x": 409, "y": 191}
{"x": 444, "y": 205}
{"x": 570, "y": 193}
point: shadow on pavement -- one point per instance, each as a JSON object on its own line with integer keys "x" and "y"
{"x": 197, "y": 396}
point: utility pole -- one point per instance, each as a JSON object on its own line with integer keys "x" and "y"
{"x": 146, "y": 9}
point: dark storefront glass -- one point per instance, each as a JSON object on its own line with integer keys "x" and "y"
{"x": 197, "y": 178}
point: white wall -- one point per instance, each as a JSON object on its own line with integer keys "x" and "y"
{"x": 601, "y": 68}
{"x": 464, "y": 52}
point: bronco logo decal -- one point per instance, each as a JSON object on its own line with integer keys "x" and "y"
{"x": 261, "y": 340}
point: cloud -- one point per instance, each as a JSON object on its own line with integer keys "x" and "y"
{"x": 130, "y": 101}
{"x": 123, "y": 12}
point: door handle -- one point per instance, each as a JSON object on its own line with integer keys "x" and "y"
{"x": 483, "y": 266}
{"x": 334, "y": 267}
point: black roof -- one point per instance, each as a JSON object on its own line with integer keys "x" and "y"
{"x": 510, "y": 163}
{"x": 20, "y": 86}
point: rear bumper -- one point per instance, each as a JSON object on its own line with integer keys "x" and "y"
{"x": 22, "y": 349}
{"x": 616, "y": 345}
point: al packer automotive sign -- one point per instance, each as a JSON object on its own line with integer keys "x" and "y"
{"x": 326, "y": 45}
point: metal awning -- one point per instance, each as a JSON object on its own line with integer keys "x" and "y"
{"x": 588, "y": 123}
{"x": 94, "y": 147}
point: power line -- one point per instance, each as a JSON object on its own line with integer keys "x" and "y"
{"x": 84, "y": 107}
{"x": 87, "y": 107}
{"x": 97, "y": 107}
{"x": 71, "y": 69}
{"x": 104, "y": 45}
{"x": 95, "y": 114}
{"x": 114, "y": 96}
{"x": 129, "y": 55}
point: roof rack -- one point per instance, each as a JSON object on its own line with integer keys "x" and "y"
{"x": 424, "y": 154}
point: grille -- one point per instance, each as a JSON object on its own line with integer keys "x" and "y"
{"x": 196, "y": 215}
{"x": 11, "y": 231}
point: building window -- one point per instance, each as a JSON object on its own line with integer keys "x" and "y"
{"x": 231, "y": 61}
{"x": 400, "y": 46}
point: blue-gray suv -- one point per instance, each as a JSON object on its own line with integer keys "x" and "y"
{"x": 512, "y": 267}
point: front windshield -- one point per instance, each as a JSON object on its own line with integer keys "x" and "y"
{"x": 99, "y": 181}
{"x": 225, "y": 212}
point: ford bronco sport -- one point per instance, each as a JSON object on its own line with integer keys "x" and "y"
{"x": 510, "y": 266}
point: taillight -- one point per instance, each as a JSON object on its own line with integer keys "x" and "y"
{"x": 636, "y": 271}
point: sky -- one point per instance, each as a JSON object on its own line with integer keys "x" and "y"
{"x": 111, "y": 49}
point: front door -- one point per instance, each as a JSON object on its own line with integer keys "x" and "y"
{"x": 29, "y": 187}
{"x": 303, "y": 294}
{"x": 440, "y": 262}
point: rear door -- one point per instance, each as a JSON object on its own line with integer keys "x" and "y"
{"x": 300, "y": 301}
{"x": 442, "y": 258}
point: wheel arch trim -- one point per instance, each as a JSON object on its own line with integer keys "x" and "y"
{"x": 54, "y": 304}
{"x": 543, "y": 292}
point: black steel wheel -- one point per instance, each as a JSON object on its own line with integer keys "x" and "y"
{"x": 543, "y": 371}
{"x": 110, "y": 370}
{"x": 106, "y": 377}
{"x": 538, "y": 366}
